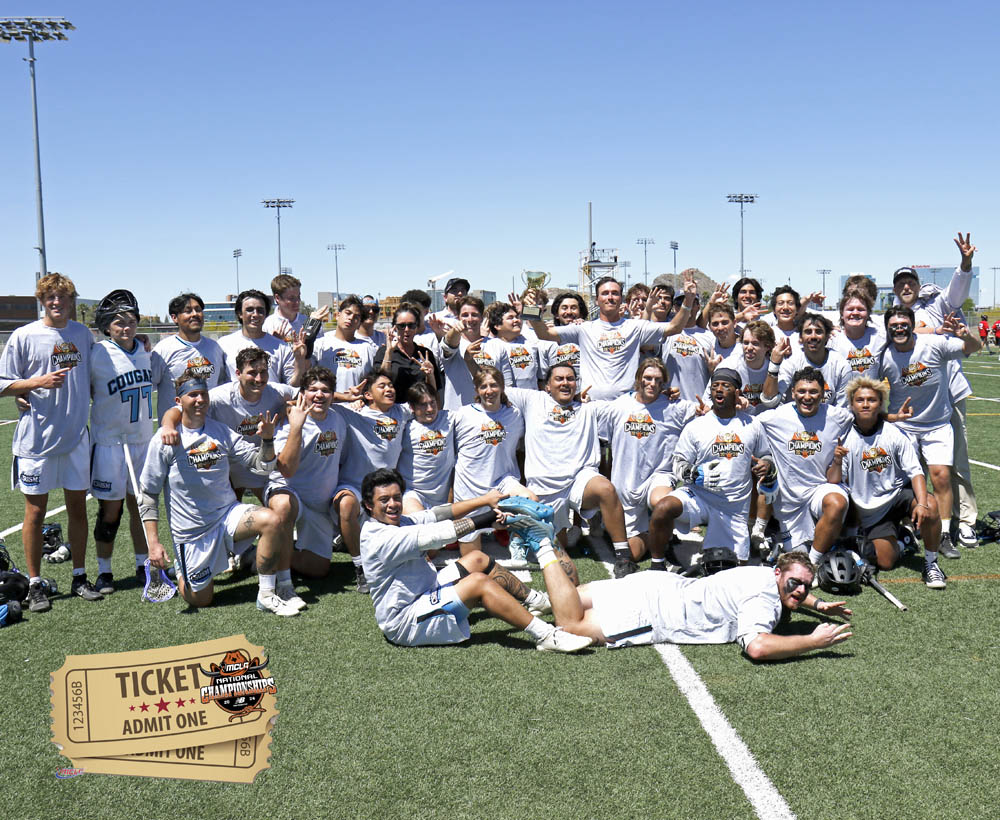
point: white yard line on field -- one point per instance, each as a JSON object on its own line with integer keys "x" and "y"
{"x": 766, "y": 800}
{"x": 985, "y": 464}
{"x": 49, "y": 514}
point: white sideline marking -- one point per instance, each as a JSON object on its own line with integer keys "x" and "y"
{"x": 766, "y": 800}
{"x": 9, "y": 421}
{"x": 982, "y": 398}
{"x": 977, "y": 373}
{"x": 984, "y": 464}
{"x": 49, "y": 514}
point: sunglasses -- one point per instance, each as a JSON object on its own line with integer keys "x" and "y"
{"x": 406, "y": 325}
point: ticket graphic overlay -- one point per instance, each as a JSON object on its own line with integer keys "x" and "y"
{"x": 235, "y": 761}
{"x": 157, "y": 700}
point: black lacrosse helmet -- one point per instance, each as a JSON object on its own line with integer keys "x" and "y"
{"x": 114, "y": 304}
{"x": 716, "y": 559}
{"x": 839, "y": 573}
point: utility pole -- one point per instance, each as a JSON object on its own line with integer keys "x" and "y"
{"x": 742, "y": 199}
{"x": 995, "y": 287}
{"x": 673, "y": 247}
{"x": 336, "y": 271}
{"x": 645, "y": 242}
{"x": 236, "y": 255}
{"x": 823, "y": 272}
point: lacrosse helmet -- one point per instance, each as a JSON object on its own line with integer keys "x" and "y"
{"x": 716, "y": 559}
{"x": 114, "y": 304}
{"x": 839, "y": 573}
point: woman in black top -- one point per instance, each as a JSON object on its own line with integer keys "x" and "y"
{"x": 407, "y": 361}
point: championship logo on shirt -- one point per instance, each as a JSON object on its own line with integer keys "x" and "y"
{"x": 610, "y": 341}
{"x": 482, "y": 358}
{"x": 65, "y": 354}
{"x": 752, "y": 393}
{"x": 566, "y": 354}
{"x": 248, "y": 425}
{"x": 520, "y": 357}
{"x": 561, "y": 415}
{"x": 493, "y": 432}
{"x": 205, "y": 456}
{"x": 805, "y": 444}
{"x": 875, "y": 460}
{"x": 915, "y": 375}
{"x": 640, "y": 425}
{"x": 728, "y": 445}
{"x": 685, "y": 346}
{"x": 199, "y": 368}
{"x": 860, "y": 360}
{"x": 386, "y": 428}
{"x": 348, "y": 358}
{"x": 326, "y": 443}
{"x": 431, "y": 442}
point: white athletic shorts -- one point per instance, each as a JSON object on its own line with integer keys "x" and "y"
{"x": 314, "y": 526}
{"x": 637, "y": 517}
{"x": 569, "y": 499}
{"x": 726, "y": 524}
{"x": 109, "y": 478}
{"x": 355, "y": 491}
{"x": 798, "y": 516}
{"x": 437, "y": 617}
{"x": 510, "y": 486}
{"x": 427, "y": 500}
{"x": 641, "y": 608}
{"x": 935, "y": 446}
{"x": 204, "y": 558}
{"x": 240, "y": 476}
{"x": 38, "y": 476}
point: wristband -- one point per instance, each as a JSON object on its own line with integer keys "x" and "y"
{"x": 816, "y": 604}
{"x": 773, "y": 369}
{"x": 267, "y": 441}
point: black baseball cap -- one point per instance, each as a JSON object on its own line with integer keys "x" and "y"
{"x": 457, "y": 282}
{"x": 901, "y": 272}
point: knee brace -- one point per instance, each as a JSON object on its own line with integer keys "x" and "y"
{"x": 105, "y": 531}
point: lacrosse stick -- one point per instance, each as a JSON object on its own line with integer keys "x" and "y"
{"x": 159, "y": 587}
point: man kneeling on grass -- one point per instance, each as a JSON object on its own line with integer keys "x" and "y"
{"x": 417, "y": 605}
{"x": 742, "y": 604}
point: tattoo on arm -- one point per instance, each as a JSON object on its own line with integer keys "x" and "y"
{"x": 463, "y": 526}
{"x": 509, "y": 582}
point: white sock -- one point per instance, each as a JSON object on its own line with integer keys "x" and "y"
{"x": 929, "y": 557}
{"x": 140, "y": 559}
{"x": 815, "y": 555}
{"x": 284, "y": 576}
{"x": 356, "y": 560}
{"x": 34, "y": 579}
{"x": 104, "y": 565}
{"x": 80, "y": 573}
{"x": 545, "y": 553}
{"x": 538, "y": 629}
{"x": 946, "y": 526}
{"x": 266, "y": 585}
{"x": 622, "y": 550}
{"x": 759, "y": 526}
{"x": 657, "y": 560}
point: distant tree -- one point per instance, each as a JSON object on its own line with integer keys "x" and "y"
{"x": 968, "y": 306}
{"x": 306, "y": 308}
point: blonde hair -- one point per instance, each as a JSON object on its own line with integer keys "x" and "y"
{"x": 54, "y": 283}
{"x": 864, "y": 383}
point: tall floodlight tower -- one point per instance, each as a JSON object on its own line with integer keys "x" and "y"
{"x": 823, "y": 272}
{"x": 673, "y": 247}
{"x": 278, "y": 204}
{"x": 237, "y": 253}
{"x": 645, "y": 242}
{"x": 742, "y": 199}
{"x": 336, "y": 247}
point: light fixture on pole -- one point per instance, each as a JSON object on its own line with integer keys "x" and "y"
{"x": 742, "y": 199}
{"x": 236, "y": 255}
{"x": 673, "y": 247}
{"x": 645, "y": 242}
{"x": 336, "y": 272}
{"x": 278, "y": 204}
{"x": 31, "y": 29}
{"x": 823, "y": 272}
{"x": 624, "y": 264}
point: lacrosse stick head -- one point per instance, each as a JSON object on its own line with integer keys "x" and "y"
{"x": 159, "y": 587}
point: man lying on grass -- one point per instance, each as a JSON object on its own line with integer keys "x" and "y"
{"x": 742, "y": 604}
{"x": 417, "y": 605}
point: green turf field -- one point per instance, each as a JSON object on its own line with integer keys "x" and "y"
{"x": 894, "y": 723}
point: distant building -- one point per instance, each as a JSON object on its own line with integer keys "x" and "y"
{"x": 220, "y": 312}
{"x": 488, "y": 296}
{"x": 940, "y": 275}
{"x": 388, "y": 306}
{"x": 16, "y": 311}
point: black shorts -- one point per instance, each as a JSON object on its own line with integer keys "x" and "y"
{"x": 900, "y": 509}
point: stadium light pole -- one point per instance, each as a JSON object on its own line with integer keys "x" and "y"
{"x": 823, "y": 272}
{"x": 236, "y": 255}
{"x": 278, "y": 204}
{"x": 645, "y": 242}
{"x": 673, "y": 247}
{"x": 742, "y": 199}
{"x": 624, "y": 264}
{"x": 995, "y": 287}
{"x": 335, "y": 247}
{"x": 32, "y": 29}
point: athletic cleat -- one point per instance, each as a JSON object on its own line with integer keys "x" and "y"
{"x": 948, "y": 549}
{"x": 59, "y": 555}
{"x": 359, "y": 576}
{"x": 105, "y": 583}
{"x": 934, "y": 577}
{"x": 559, "y": 640}
{"x": 38, "y": 601}
{"x": 541, "y": 605}
{"x": 272, "y": 603}
{"x": 625, "y": 566}
{"x": 287, "y": 594}
{"x": 518, "y": 553}
{"x": 967, "y": 536}
{"x": 523, "y": 505}
{"x": 82, "y": 588}
{"x": 530, "y": 530}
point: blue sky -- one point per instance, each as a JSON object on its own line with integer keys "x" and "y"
{"x": 429, "y": 136}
